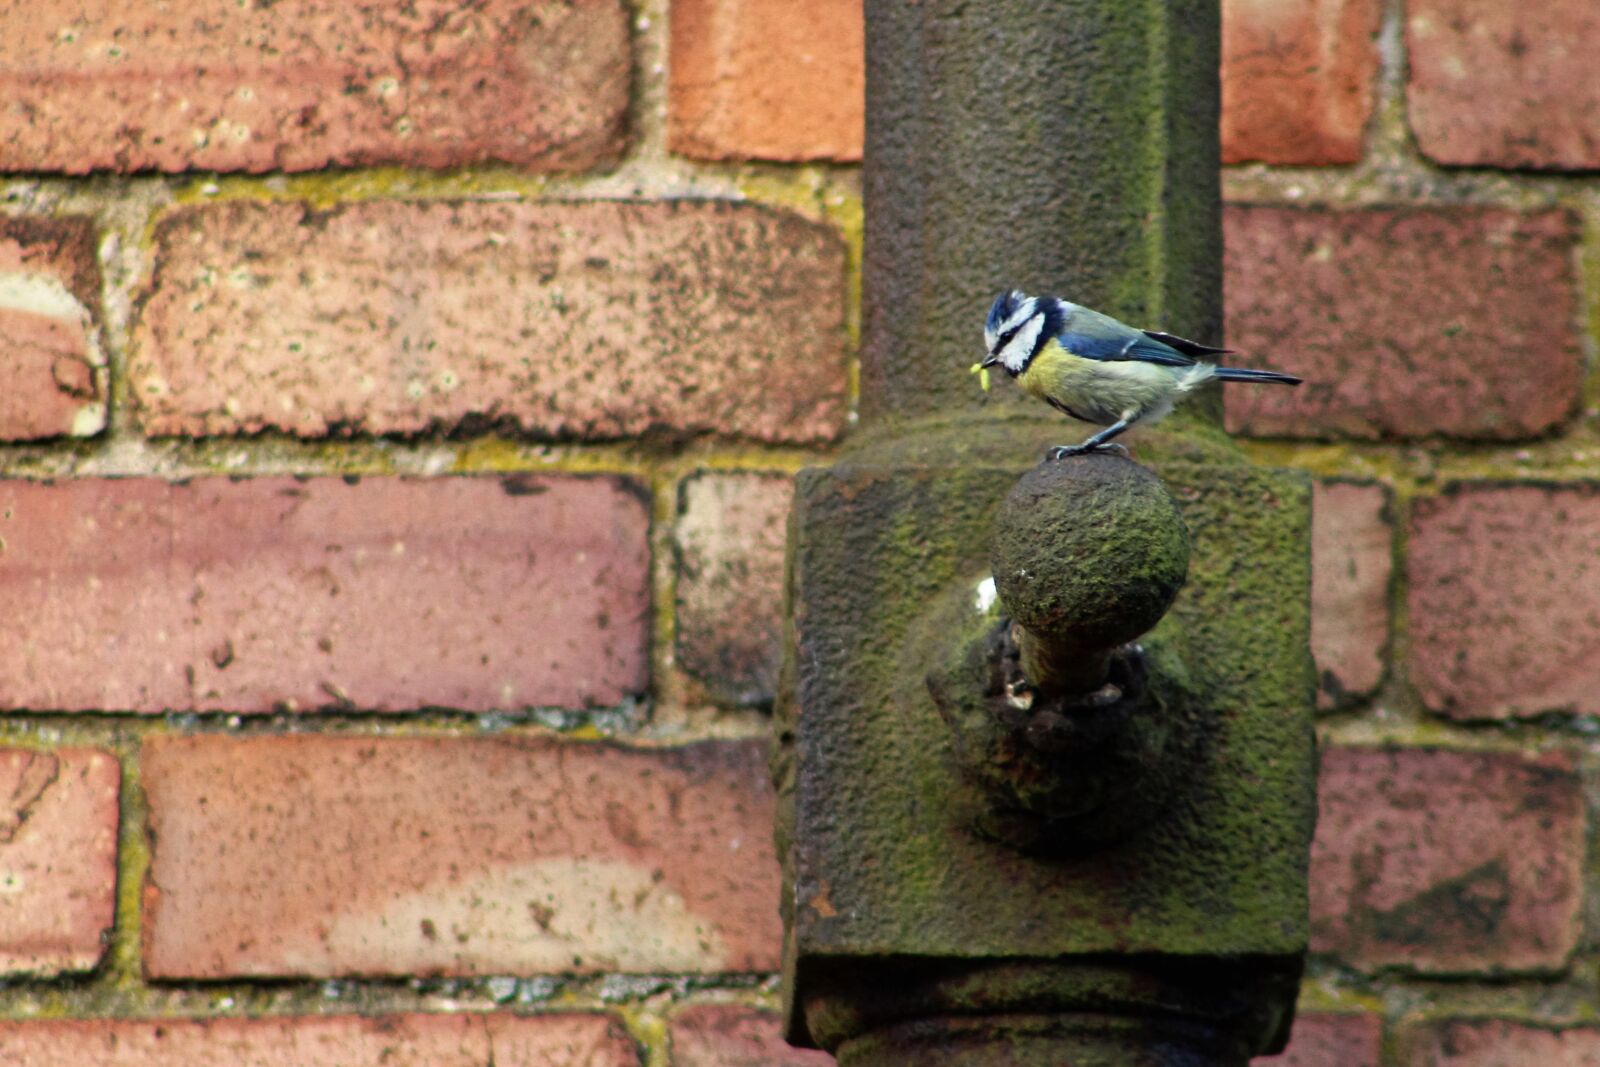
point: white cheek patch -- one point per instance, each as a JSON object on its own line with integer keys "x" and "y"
{"x": 1021, "y": 315}
{"x": 1016, "y": 353}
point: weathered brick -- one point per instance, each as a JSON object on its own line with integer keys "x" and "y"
{"x": 319, "y": 855}
{"x": 731, "y": 534}
{"x": 767, "y": 79}
{"x": 457, "y": 1040}
{"x": 1501, "y": 1043}
{"x": 1330, "y": 1041}
{"x": 1298, "y": 79}
{"x": 1504, "y": 588}
{"x": 1445, "y": 862}
{"x": 52, "y": 367}
{"x": 58, "y": 857}
{"x": 133, "y": 85}
{"x": 1406, "y": 322}
{"x": 590, "y": 320}
{"x": 1505, "y": 85}
{"x": 276, "y": 593}
{"x": 1352, "y": 544}
{"x": 729, "y": 1036}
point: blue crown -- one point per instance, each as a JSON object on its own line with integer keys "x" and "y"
{"x": 1004, "y": 306}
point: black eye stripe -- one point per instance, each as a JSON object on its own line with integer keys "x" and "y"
{"x": 1046, "y": 320}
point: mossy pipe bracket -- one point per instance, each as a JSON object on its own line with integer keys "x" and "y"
{"x": 1056, "y": 719}
{"x": 1120, "y": 894}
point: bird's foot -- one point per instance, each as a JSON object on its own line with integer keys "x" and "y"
{"x": 1063, "y": 451}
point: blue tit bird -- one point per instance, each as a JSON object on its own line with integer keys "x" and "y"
{"x": 1096, "y": 369}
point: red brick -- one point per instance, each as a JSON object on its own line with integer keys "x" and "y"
{"x": 1330, "y": 1041}
{"x": 320, "y": 855}
{"x": 731, "y": 534}
{"x": 730, "y": 1036}
{"x": 1352, "y": 543}
{"x": 754, "y": 80}
{"x": 767, "y": 79}
{"x": 1504, "y": 587}
{"x": 58, "y": 857}
{"x": 1445, "y": 862}
{"x": 464, "y": 1040}
{"x": 1298, "y": 79}
{"x": 52, "y": 368}
{"x": 133, "y": 85}
{"x": 1502, "y": 1043}
{"x": 1505, "y": 85}
{"x": 382, "y": 594}
{"x": 589, "y": 320}
{"x": 1406, "y": 322}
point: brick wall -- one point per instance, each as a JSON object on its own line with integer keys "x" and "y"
{"x": 392, "y": 513}
{"x": 1417, "y": 235}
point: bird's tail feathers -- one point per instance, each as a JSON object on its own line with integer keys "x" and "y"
{"x": 1242, "y": 374}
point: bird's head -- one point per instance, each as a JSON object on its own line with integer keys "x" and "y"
{"x": 1017, "y": 327}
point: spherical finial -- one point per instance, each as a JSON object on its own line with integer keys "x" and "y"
{"x": 1089, "y": 551}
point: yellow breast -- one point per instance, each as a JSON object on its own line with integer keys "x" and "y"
{"x": 1097, "y": 391}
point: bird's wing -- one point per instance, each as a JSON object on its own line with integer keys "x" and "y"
{"x": 1095, "y": 336}
{"x": 1186, "y": 346}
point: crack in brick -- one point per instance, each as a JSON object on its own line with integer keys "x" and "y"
{"x": 36, "y": 773}
{"x": 488, "y": 1036}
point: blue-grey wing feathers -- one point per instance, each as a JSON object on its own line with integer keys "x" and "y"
{"x": 1095, "y": 336}
{"x": 1092, "y": 335}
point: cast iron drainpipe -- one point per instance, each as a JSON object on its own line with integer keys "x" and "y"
{"x": 1009, "y": 836}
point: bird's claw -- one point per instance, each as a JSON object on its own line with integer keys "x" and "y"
{"x": 1063, "y": 451}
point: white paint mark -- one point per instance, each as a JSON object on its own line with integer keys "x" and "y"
{"x": 42, "y": 295}
{"x": 986, "y": 596}
{"x": 88, "y": 420}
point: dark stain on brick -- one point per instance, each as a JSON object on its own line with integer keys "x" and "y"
{"x": 623, "y": 826}
{"x": 1471, "y": 906}
{"x": 69, "y": 242}
{"x": 1333, "y": 687}
{"x": 638, "y": 490}
{"x": 706, "y": 761}
{"x": 523, "y": 485}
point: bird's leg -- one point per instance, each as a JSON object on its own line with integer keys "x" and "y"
{"x": 1100, "y": 442}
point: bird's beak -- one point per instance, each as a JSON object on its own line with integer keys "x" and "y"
{"x": 990, "y": 360}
